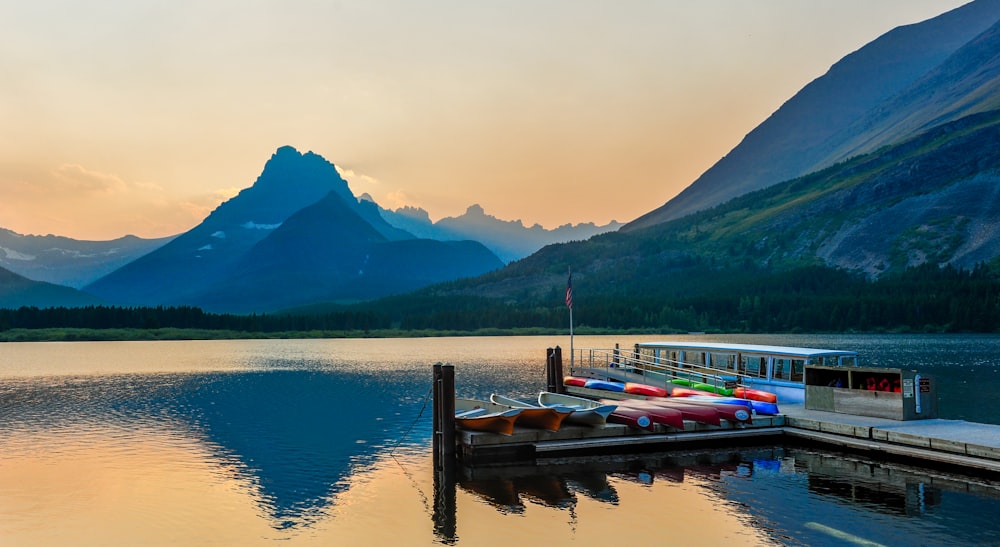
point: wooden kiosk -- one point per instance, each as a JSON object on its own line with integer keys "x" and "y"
{"x": 890, "y": 393}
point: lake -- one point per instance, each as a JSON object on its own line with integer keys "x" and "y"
{"x": 327, "y": 442}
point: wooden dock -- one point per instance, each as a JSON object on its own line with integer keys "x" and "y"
{"x": 971, "y": 446}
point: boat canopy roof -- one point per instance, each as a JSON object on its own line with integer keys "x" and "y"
{"x": 722, "y": 347}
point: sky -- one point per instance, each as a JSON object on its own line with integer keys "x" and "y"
{"x": 141, "y": 116}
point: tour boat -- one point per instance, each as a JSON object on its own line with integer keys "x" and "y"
{"x": 758, "y": 369}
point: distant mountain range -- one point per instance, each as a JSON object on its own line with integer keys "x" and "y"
{"x": 66, "y": 261}
{"x": 297, "y": 235}
{"x": 509, "y": 240}
{"x": 891, "y": 160}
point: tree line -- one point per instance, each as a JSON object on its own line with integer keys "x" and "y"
{"x": 806, "y": 299}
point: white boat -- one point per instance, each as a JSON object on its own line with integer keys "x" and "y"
{"x": 776, "y": 369}
{"x": 584, "y": 411}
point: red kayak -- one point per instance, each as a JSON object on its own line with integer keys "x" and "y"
{"x": 696, "y": 413}
{"x": 735, "y": 413}
{"x": 660, "y": 414}
{"x": 635, "y": 417}
{"x": 644, "y": 389}
{"x": 755, "y": 395}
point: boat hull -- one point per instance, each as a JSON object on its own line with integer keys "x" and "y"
{"x": 584, "y": 411}
{"x": 535, "y": 416}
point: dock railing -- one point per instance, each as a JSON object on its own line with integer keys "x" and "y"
{"x": 630, "y": 366}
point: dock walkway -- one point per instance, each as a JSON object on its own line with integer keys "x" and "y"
{"x": 955, "y": 442}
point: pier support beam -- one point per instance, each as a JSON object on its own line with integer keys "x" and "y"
{"x": 443, "y": 425}
{"x": 553, "y": 370}
{"x": 444, "y": 415}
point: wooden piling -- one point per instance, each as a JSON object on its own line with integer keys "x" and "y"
{"x": 553, "y": 370}
{"x": 443, "y": 416}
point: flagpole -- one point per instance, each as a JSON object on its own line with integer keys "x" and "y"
{"x": 569, "y": 304}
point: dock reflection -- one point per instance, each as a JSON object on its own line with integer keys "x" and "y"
{"x": 740, "y": 476}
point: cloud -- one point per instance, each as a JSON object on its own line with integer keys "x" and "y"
{"x": 84, "y": 203}
{"x": 77, "y": 179}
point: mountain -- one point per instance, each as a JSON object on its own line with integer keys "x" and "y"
{"x": 17, "y": 291}
{"x": 66, "y": 261}
{"x": 930, "y": 201}
{"x": 508, "y": 239}
{"x": 296, "y": 235}
{"x": 205, "y": 255}
{"x": 906, "y": 81}
{"x": 328, "y": 252}
{"x": 918, "y": 186}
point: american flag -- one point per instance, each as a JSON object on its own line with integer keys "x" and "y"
{"x": 569, "y": 290}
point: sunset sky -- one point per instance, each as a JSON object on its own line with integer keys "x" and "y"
{"x": 140, "y": 116}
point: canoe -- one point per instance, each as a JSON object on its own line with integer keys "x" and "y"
{"x": 594, "y": 383}
{"x": 659, "y": 414}
{"x": 585, "y": 411}
{"x": 550, "y": 418}
{"x": 476, "y": 415}
{"x": 634, "y": 417}
{"x": 645, "y": 389}
{"x": 701, "y": 414}
{"x": 755, "y": 394}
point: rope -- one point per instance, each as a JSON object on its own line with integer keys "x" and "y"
{"x": 427, "y": 398}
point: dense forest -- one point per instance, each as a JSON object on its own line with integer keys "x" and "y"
{"x": 806, "y": 299}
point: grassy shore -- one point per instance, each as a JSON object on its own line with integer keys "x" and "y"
{"x": 83, "y": 335}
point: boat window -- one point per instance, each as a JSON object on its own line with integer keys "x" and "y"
{"x": 724, "y": 361}
{"x": 798, "y": 370}
{"x": 753, "y": 366}
{"x": 782, "y": 369}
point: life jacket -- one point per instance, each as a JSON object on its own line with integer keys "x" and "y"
{"x": 870, "y": 383}
{"x": 884, "y": 385}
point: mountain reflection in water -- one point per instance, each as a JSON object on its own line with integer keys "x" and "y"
{"x": 296, "y": 435}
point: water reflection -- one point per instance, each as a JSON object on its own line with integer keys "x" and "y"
{"x": 294, "y": 437}
{"x": 794, "y": 495}
{"x": 242, "y": 443}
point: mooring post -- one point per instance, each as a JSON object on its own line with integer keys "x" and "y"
{"x": 557, "y": 370}
{"x": 444, "y": 452}
{"x": 446, "y": 411}
{"x": 550, "y": 385}
{"x": 436, "y": 416}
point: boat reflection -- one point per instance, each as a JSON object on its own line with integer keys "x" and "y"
{"x": 885, "y": 487}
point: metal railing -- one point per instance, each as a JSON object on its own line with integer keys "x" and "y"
{"x": 629, "y": 366}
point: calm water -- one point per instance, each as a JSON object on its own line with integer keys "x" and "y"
{"x": 326, "y": 442}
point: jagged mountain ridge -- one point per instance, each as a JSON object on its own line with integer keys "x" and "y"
{"x": 508, "y": 239}
{"x": 818, "y": 125}
{"x": 294, "y": 236}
